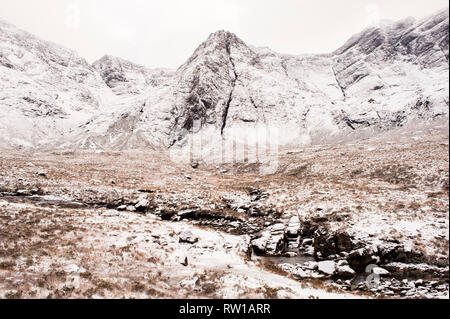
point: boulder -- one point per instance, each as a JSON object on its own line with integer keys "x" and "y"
{"x": 359, "y": 259}
{"x": 131, "y": 208}
{"x": 344, "y": 242}
{"x": 311, "y": 265}
{"x": 41, "y": 173}
{"x": 271, "y": 242}
{"x": 275, "y": 245}
{"x": 307, "y": 242}
{"x": 142, "y": 205}
{"x": 259, "y": 246}
{"x": 327, "y": 267}
{"x": 345, "y": 272}
{"x": 380, "y": 271}
{"x": 293, "y": 229}
{"x": 188, "y": 237}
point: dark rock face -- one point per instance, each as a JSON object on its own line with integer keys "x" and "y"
{"x": 361, "y": 258}
{"x": 125, "y": 77}
{"x": 327, "y": 243}
{"x": 111, "y": 71}
{"x": 324, "y": 245}
{"x": 206, "y": 82}
{"x": 344, "y": 242}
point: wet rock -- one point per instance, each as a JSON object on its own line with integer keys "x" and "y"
{"x": 307, "y": 242}
{"x": 397, "y": 253}
{"x": 259, "y": 246}
{"x": 275, "y": 246}
{"x": 166, "y": 214}
{"x": 323, "y": 243}
{"x": 359, "y": 259}
{"x": 277, "y": 229}
{"x": 308, "y": 228}
{"x": 24, "y": 192}
{"x": 302, "y": 272}
{"x": 188, "y": 237}
{"x": 307, "y": 274}
{"x": 416, "y": 270}
{"x": 311, "y": 265}
{"x": 271, "y": 242}
{"x": 344, "y": 242}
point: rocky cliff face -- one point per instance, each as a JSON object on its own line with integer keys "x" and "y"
{"x": 125, "y": 77}
{"x": 384, "y": 77}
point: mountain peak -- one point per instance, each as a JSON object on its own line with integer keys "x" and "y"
{"x": 223, "y": 37}
{"x": 222, "y": 34}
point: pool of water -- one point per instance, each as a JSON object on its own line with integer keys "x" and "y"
{"x": 44, "y": 201}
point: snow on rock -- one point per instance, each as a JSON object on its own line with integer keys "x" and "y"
{"x": 188, "y": 237}
{"x": 46, "y": 90}
{"x": 380, "y": 79}
{"x": 127, "y": 78}
{"x": 111, "y": 213}
{"x": 327, "y": 267}
{"x": 380, "y": 271}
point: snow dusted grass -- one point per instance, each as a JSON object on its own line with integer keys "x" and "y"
{"x": 381, "y": 190}
{"x": 53, "y": 253}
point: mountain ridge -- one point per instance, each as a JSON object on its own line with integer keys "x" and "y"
{"x": 381, "y": 78}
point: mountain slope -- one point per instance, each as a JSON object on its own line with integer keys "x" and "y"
{"x": 382, "y": 78}
{"x": 46, "y": 90}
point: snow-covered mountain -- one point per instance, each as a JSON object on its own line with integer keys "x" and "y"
{"x": 384, "y": 77}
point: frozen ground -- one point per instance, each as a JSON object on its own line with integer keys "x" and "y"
{"x": 105, "y": 224}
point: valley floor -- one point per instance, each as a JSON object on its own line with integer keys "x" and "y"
{"x": 136, "y": 225}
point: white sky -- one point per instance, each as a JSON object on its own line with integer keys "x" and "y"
{"x": 164, "y": 33}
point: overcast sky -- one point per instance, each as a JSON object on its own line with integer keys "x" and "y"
{"x": 164, "y": 33}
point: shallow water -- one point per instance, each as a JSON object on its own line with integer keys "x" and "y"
{"x": 44, "y": 201}
{"x": 298, "y": 260}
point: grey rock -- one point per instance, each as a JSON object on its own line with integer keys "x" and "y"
{"x": 142, "y": 205}
{"x": 345, "y": 272}
{"x": 111, "y": 213}
{"x": 327, "y": 267}
{"x": 188, "y": 237}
